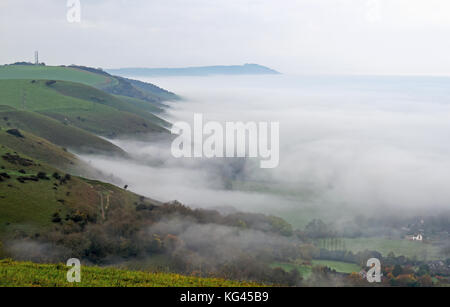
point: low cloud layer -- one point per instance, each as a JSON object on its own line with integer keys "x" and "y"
{"x": 370, "y": 144}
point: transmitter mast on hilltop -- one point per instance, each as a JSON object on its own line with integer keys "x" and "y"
{"x": 36, "y": 58}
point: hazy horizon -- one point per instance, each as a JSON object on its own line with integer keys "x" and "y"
{"x": 371, "y": 37}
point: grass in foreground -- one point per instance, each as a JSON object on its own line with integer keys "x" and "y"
{"x": 26, "y": 274}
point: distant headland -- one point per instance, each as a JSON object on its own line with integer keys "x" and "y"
{"x": 247, "y": 69}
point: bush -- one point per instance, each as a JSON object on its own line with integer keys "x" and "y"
{"x": 43, "y": 176}
{"x": 50, "y": 82}
{"x": 56, "y": 218}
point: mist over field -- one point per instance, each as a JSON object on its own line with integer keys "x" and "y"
{"x": 366, "y": 144}
{"x": 328, "y": 124}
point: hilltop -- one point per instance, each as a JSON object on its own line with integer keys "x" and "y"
{"x": 94, "y": 77}
{"x": 247, "y": 69}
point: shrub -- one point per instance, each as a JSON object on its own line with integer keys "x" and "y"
{"x": 43, "y": 176}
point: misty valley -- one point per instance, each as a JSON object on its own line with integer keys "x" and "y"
{"x": 88, "y": 172}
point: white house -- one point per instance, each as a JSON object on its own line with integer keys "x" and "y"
{"x": 419, "y": 237}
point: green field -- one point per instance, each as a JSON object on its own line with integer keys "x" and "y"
{"x": 338, "y": 266}
{"x": 306, "y": 270}
{"x": 42, "y": 150}
{"x": 122, "y": 103}
{"x": 29, "y": 206}
{"x": 154, "y": 108}
{"x": 84, "y": 89}
{"x": 54, "y": 73}
{"x": 90, "y": 109}
{"x": 66, "y": 136}
{"x": 25, "y": 274}
{"x": 97, "y": 78}
{"x": 399, "y": 247}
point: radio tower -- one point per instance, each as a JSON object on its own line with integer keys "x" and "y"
{"x": 36, "y": 57}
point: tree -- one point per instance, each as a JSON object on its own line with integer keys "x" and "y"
{"x": 397, "y": 270}
{"x": 423, "y": 270}
{"x": 317, "y": 229}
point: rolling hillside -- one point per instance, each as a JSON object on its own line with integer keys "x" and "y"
{"x": 42, "y": 150}
{"x": 89, "y": 76}
{"x": 66, "y": 136}
{"x": 41, "y": 119}
{"x": 126, "y": 104}
{"x": 54, "y": 73}
{"x": 78, "y": 105}
{"x": 33, "y": 194}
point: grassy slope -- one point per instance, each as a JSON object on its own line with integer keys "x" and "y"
{"x": 151, "y": 108}
{"x": 154, "y": 92}
{"x": 92, "y": 77}
{"x": 92, "y": 94}
{"x": 42, "y": 150}
{"x": 25, "y": 274}
{"x": 154, "y": 108}
{"x": 53, "y": 73}
{"x": 92, "y": 116}
{"x": 62, "y": 135}
{"x": 29, "y": 206}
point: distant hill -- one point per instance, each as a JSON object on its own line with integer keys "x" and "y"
{"x": 78, "y": 105}
{"x": 247, "y": 69}
{"x": 92, "y": 77}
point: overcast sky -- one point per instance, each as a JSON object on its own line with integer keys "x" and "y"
{"x": 293, "y": 36}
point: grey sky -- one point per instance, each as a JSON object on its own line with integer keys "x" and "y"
{"x": 295, "y": 36}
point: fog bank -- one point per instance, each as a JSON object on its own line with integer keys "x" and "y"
{"x": 370, "y": 143}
